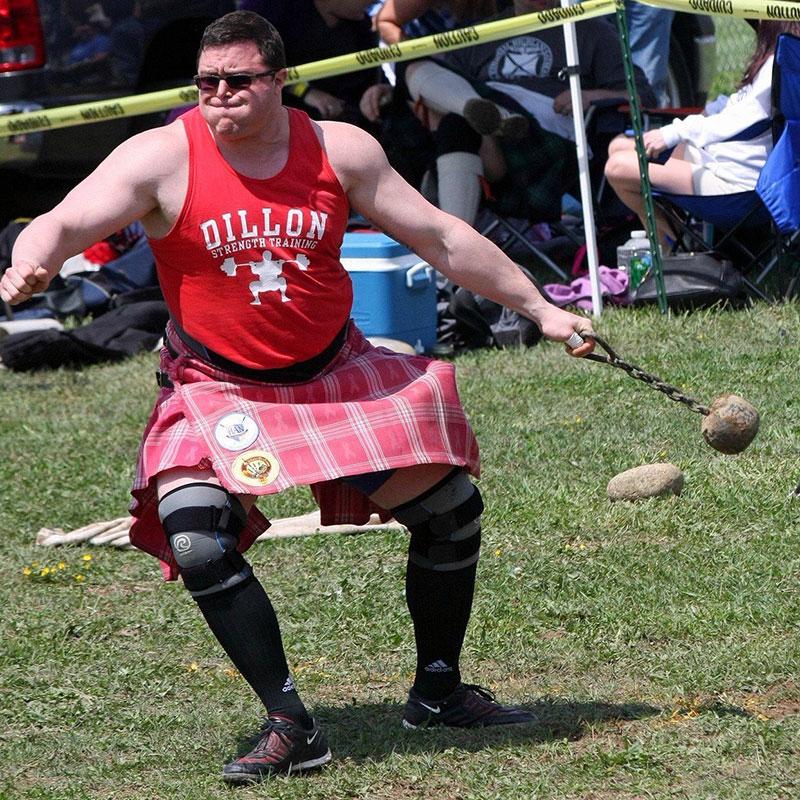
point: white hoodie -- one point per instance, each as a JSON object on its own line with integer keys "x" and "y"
{"x": 738, "y": 162}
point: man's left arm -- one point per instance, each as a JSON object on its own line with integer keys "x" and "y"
{"x": 454, "y": 248}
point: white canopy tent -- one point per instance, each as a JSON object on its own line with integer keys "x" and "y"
{"x": 571, "y": 44}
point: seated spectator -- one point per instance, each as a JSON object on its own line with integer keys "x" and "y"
{"x": 649, "y": 32}
{"x": 313, "y": 30}
{"x": 411, "y": 145}
{"x": 707, "y": 159}
{"x": 401, "y": 19}
{"x": 91, "y": 40}
{"x": 395, "y": 20}
{"x": 512, "y": 94}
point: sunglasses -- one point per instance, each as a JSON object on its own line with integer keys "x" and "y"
{"x": 239, "y": 80}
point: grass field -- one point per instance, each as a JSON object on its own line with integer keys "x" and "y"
{"x": 657, "y": 642}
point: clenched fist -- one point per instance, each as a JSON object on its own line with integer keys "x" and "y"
{"x": 21, "y": 281}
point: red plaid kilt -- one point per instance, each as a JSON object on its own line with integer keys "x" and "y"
{"x": 369, "y": 410}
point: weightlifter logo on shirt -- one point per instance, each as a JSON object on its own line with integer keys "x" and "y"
{"x": 522, "y": 57}
{"x": 234, "y": 232}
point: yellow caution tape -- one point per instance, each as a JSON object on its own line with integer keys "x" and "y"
{"x": 788, "y": 10}
{"x": 98, "y": 111}
{"x": 451, "y": 40}
{"x": 66, "y": 116}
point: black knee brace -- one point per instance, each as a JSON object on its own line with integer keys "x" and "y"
{"x": 445, "y": 524}
{"x": 202, "y": 522}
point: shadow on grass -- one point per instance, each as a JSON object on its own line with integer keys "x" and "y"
{"x": 373, "y": 731}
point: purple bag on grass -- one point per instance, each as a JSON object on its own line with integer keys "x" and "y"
{"x": 613, "y": 288}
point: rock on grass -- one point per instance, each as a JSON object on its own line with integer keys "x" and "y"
{"x": 648, "y": 480}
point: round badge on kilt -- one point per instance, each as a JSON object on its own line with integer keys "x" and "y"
{"x": 236, "y": 431}
{"x": 255, "y": 468}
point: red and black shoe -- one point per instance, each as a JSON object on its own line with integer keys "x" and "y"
{"x": 283, "y": 747}
{"x": 468, "y": 706}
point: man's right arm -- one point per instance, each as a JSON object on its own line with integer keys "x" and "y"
{"x": 124, "y": 187}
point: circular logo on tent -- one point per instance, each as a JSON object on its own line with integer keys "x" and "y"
{"x": 255, "y": 468}
{"x": 236, "y": 431}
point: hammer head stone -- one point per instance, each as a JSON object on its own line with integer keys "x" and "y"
{"x": 731, "y": 424}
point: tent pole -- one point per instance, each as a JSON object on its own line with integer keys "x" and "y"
{"x": 644, "y": 173}
{"x": 571, "y": 45}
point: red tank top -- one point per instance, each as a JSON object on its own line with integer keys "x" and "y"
{"x": 251, "y": 267}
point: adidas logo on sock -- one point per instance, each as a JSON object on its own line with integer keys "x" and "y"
{"x": 289, "y": 685}
{"x": 438, "y": 666}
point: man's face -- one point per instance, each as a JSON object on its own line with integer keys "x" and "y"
{"x": 231, "y": 112}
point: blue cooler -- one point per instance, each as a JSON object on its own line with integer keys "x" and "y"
{"x": 394, "y": 293}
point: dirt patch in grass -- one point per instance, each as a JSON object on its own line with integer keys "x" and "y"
{"x": 777, "y": 702}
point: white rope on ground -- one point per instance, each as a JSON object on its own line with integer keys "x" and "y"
{"x": 115, "y": 532}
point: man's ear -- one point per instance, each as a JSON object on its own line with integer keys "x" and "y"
{"x": 280, "y": 77}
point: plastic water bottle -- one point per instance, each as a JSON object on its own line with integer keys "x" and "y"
{"x": 635, "y": 257}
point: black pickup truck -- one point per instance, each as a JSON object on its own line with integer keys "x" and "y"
{"x": 59, "y": 52}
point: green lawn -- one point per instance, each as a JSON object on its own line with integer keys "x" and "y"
{"x": 658, "y": 641}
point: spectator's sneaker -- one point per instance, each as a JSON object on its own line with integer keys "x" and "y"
{"x": 283, "y": 747}
{"x": 468, "y": 706}
{"x": 514, "y": 127}
{"x": 482, "y": 115}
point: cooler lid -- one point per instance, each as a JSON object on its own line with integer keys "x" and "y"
{"x": 371, "y": 245}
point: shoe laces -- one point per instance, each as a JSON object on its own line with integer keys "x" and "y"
{"x": 277, "y": 725}
{"x": 479, "y": 690}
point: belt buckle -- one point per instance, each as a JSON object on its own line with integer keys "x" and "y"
{"x": 163, "y": 380}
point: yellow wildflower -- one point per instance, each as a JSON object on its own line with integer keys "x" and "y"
{"x": 27, "y": 571}
{"x": 62, "y": 565}
{"x": 80, "y": 578}
{"x": 87, "y": 557}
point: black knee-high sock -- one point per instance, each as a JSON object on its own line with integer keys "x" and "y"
{"x": 245, "y": 624}
{"x": 440, "y": 605}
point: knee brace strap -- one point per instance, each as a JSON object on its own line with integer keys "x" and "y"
{"x": 202, "y": 522}
{"x": 444, "y": 509}
{"x": 444, "y": 556}
{"x": 444, "y": 524}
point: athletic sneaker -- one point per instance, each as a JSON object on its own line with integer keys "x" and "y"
{"x": 486, "y": 118}
{"x": 282, "y": 747}
{"x": 514, "y": 127}
{"x": 482, "y": 115}
{"x": 468, "y": 706}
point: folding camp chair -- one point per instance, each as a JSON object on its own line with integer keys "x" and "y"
{"x": 533, "y": 192}
{"x": 755, "y": 229}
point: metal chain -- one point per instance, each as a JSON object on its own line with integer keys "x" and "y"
{"x": 651, "y": 380}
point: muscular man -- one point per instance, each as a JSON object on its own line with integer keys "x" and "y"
{"x": 259, "y": 397}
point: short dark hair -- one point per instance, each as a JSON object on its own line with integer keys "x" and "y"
{"x": 246, "y": 26}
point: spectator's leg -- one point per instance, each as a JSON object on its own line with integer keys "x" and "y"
{"x": 649, "y": 33}
{"x": 447, "y": 92}
{"x": 622, "y": 171}
{"x": 459, "y": 168}
{"x": 439, "y": 88}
